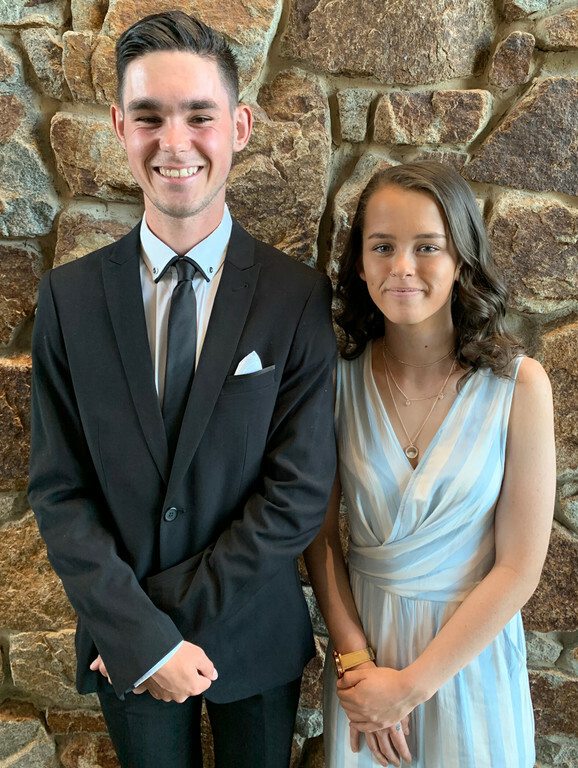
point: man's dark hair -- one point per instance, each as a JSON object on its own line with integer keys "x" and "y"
{"x": 177, "y": 31}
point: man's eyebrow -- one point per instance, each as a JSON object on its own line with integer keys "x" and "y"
{"x": 153, "y": 105}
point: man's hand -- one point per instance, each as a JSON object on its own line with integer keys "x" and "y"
{"x": 98, "y": 666}
{"x": 188, "y": 672}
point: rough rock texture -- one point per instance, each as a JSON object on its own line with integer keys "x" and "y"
{"x": 311, "y": 685}
{"x": 88, "y": 16}
{"x": 543, "y": 650}
{"x": 18, "y": 13}
{"x": 556, "y": 751}
{"x": 536, "y": 146}
{"x": 555, "y": 697}
{"x": 44, "y": 49}
{"x": 560, "y": 32}
{"x": 313, "y": 755}
{"x": 62, "y": 721}
{"x": 90, "y": 158}
{"x": 511, "y": 61}
{"x": 434, "y": 117}
{"x": 76, "y": 57}
{"x": 28, "y": 202}
{"x": 44, "y": 665}
{"x": 87, "y": 750}
{"x": 345, "y": 204}
{"x": 278, "y": 183}
{"x": 14, "y": 422}
{"x": 31, "y": 595}
{"x": 81, "y": 232}
{"x": 249, "y": 27}
{"x": 406, "y": 43}
{"x": 535, "y": 244}
{"x": 519, "y": 9}
{"x": 20, "y": 267}
{"x": 554, "y": 605}
{"x": 354, "y": 104}
{"x": 24, "y": 742}
{"x": 560, "y": 355}
{"x": 567, "y": 512}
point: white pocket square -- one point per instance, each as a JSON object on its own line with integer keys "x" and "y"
{"x": 249, "y": 364}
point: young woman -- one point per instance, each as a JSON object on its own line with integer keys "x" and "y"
{"x": 445, "y": 433}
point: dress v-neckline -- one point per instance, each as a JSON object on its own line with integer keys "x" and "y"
{"x": 368, "y": 376}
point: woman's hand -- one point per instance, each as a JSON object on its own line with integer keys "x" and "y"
{"x": 386, "y": 745}
{"x": 375, "y": 698}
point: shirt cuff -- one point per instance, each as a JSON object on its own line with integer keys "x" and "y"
{"x": 157, "y": 666}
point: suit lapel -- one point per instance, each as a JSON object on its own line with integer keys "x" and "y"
{"x": 230, "y": 310}
{"x": 122, "y": 286}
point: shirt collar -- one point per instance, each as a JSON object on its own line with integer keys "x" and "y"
{"x": 208, "y": 255}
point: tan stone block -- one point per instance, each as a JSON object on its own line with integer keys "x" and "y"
{"x": 12, "y": 111}
{"x": 90, "y": 158}
{"x": 14, "y": 422}
{"x": 20, "y": 13}
{"x": 559, "y": 32}
{"x": 434, "y": 117}
{"x": 407, "y": 43}
{"x": 535, "y": 245}
{"x": 345, "y": 204}
{"x": 554, "y": 605}
{"x": 31, "y": 595}
{"x": 278, "y": 183}
{"x": 23, "y": 739}
{"x": 555, "y": 700}
{"x": 88, "y": 16}
{"x": 88, "y": 751}
{"x": 44, "y": 49}
{"x": 453, "y": 158}
{"x": 78, "y": 48}
{"x": 354, "y": 104}
{"x": 536, "y": 146}
{"x": 560, "y": 358}
{"x": 43, "y": 665}
{"x": 7, "y": 68}
{"x": 63, "y": 722}
{"x": 81, "y": 232}
{"x": 20, "y": 267}
{"x": 511, "y": 61}
{"x": 520, "y": 9}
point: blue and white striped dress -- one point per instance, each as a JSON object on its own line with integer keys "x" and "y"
{"x": 420, "y": 542}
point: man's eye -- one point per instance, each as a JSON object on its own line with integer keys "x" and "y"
{"x": 147, "y": 119}
{"x": 200, "y": 119}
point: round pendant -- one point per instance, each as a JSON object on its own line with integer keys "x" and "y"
{"x": 411, "y": 452}
{"x": 408, "y": 403}
{"x": 441, "y": 396}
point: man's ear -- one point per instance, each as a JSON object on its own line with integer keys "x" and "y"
{"x": 117, "y": 118}
{"x": 243, "y": 122}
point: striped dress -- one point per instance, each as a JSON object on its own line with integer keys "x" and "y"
{"x": 420, "y": 542}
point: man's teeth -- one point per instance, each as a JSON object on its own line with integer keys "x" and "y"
{"x": 178, "y": 173}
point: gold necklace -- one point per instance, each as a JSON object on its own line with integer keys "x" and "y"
{"x": 412, "y": 365}
{"x": 408, "y": 400}
{"x": 411, "y": 450}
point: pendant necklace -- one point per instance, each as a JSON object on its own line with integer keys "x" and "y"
{"x": 411, "y": 450}
{"x": 409, "y": 400}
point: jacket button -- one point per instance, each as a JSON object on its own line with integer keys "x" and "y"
{"x": 171, "y": 514}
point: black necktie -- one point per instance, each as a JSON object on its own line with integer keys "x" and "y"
{"x": 181, "y": 350}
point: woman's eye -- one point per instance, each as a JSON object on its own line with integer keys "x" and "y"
{"x": 382, "y": 248}
{"x": 428, "y": 248}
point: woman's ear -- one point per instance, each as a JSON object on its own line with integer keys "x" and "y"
{"x": 359, "y": 268}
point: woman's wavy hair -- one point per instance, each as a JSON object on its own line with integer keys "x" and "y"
{"x": 479, "y": 294}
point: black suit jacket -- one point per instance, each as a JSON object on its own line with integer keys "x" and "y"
{"x": 249, "y": 482}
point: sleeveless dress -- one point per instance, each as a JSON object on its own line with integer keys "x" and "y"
{"x": 420, "y": 541}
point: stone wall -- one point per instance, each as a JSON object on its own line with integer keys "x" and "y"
{"x": 339, "y": 88}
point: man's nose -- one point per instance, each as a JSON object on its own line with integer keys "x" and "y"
{"x": 174, "y": 137}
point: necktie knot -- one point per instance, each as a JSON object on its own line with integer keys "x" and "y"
{"x": 185, "y": 270}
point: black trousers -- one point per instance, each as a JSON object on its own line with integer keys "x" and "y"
{"x": 251, "y": 733}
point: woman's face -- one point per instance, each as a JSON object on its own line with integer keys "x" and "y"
{"x": 408, "y": 259}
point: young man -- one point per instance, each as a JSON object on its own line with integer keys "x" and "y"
{"x": 182, "y": 430}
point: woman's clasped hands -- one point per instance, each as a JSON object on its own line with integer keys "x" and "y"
{"x": 377, "y": 701}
